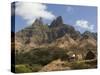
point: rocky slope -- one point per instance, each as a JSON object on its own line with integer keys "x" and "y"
{"x": 56, "y": 65}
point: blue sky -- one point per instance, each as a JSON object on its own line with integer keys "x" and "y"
{"x": 81, "y": 17}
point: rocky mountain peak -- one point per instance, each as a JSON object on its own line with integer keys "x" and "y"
{"x": 89, "y": 34}
{"x": 86, "y": 33}
{"x": 57, "y": 22}
{"x": 38, "y": 22}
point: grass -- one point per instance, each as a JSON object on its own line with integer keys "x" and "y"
{"x": 24, "y": 68}
{"x": 84, "y": 64}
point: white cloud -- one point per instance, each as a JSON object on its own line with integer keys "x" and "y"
{"x": 30, "y": 11}
{"x": 85, "y": 25}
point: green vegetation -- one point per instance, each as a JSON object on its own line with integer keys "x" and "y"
{"x": 83, "y": 64}
{"x": 79, "y": 65}
{"x": 35, "y": 59}
{"x": 41, "y": 56}
{"x": 22, "y": 69}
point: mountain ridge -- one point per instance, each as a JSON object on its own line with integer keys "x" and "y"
{"x": 39, "y": 34}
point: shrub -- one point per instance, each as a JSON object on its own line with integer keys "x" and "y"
{"x": 22, "y": 69}
{"x": 41, "y": 56}
{"x": 79, "y": 65}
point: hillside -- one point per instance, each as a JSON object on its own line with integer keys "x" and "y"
{"x": 42, "y": 44}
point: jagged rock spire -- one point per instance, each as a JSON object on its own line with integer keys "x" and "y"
{"x": 38, "y": 22}
{"x": 57, "y": 22}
